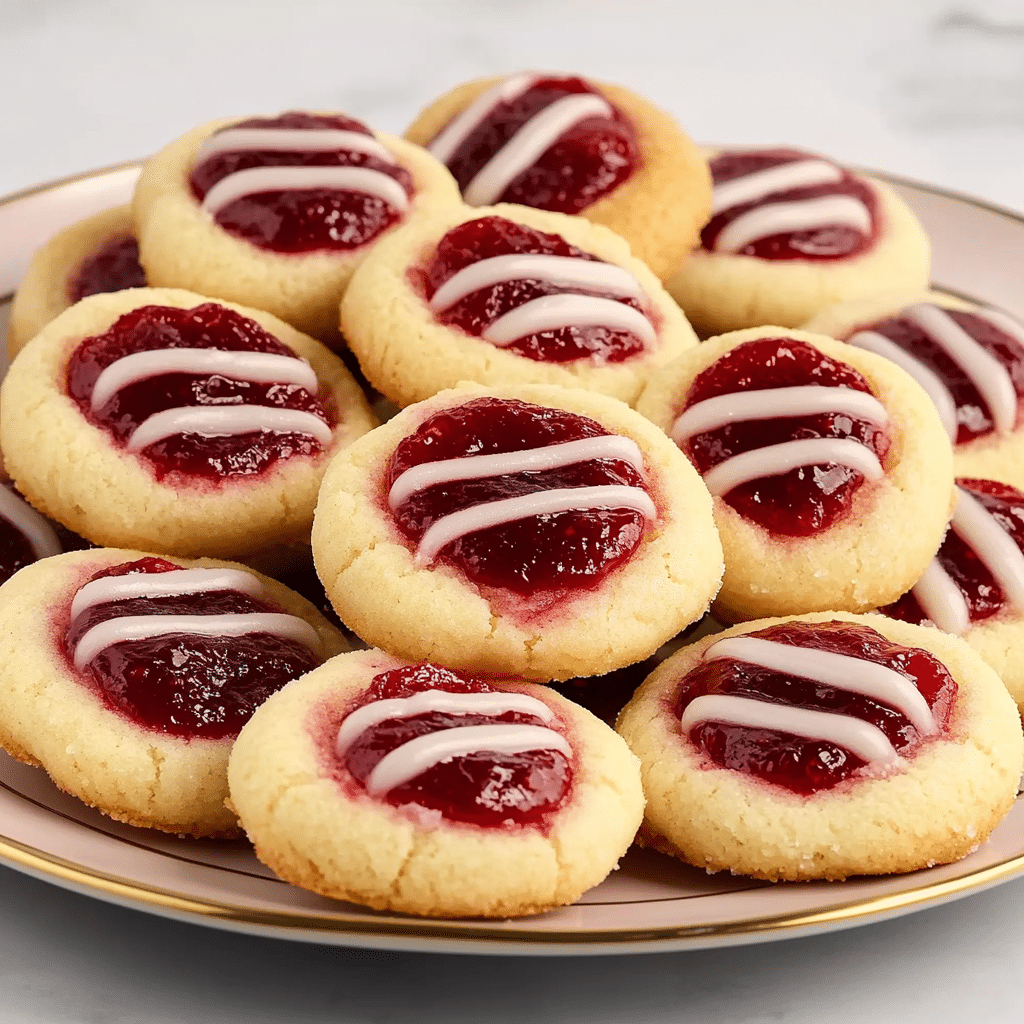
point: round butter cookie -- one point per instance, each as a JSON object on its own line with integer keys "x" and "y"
{"x": 127, "y": 676}
{"x": 276, "y": 212}
{"x": 831, "y": 473}
{"x": 561, "y": 143}
{"x": 508, "y": 295}
{"x": 159, "y": 419}
{"x": 411, "y": 788}
{"x": 97, "y": 254}
{"x": 791, "y": 232}
{"x": 538, "y": 531}
{"x": 824, "y": 746}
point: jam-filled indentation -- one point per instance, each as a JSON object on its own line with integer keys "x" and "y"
{"x": 113, "y": 267}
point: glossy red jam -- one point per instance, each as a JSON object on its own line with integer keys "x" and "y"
{"x": 486, "y": 788}
{"x": 583, "y": 165}
{"x": 980, "y": 589}
{"x": 207, "y": 326}
{"x": 827, "y": 242}
{"x": 805, "y": 500}
{"x": 302, "y": 220}
{"x": 809, "y": 766}
{"x": 560, "y": 551}
{"x": 186, "y": 685}
{"x": 112, "y": 268}
{"x": 496, "y": 236}
{"x": 972, "y": 413}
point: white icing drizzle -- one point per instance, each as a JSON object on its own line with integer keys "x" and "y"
{"x": 476, "y": 467}
{"x": 529, "y": 142}
{"x": 995, "y": 548}
{"x": 33, "y": 526}
{"x": 257, "y": 367}
{"x": 942, "y": 600}
{"x": 1003, "y": 322}
{"x": 496, "y": 513}
{"x": 143, "y": 627}
{"x": 760, "y": 184}
{"x": 552, "y": 312}
{"x": 494, "y": 704}
{"x": 869, "y": 743}
{"x": 930, "y": 381}
{"x": 253, "y": 180}
{"x": 564, "y": 271}
{"x": 776, "y": 459}
{"x": 285, "y": 140}
{"x": 786, "y": 218}
{"x": 803, "y": 400}
{"x": 227, "y": 420}
{"x": 418, "y": 755}
{"x": 173, "y": 583}
{"x": 841, "y": 671}
{"x": 458, "y": 130}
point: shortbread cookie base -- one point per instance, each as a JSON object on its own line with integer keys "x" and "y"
{"x": 937, "y": 810}
{"x": 48, "y": 717}
{"x": 894, "y": 527}
{"x": 408, "y": 355}
{"x": 435, "y": 614}
{"x": 340, "y": 842}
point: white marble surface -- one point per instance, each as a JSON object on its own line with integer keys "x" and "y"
{"x": 930, "y": 89}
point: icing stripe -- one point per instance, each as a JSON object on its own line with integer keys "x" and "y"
{"x": 553, "y": 312}
{"x": 869, "y": 743}
{"x": 941, "y": 600}
{"x": 258, "y": 367}
{"x": 1001, "y": 321}
{"x": 930, "y": 381}
{"x": 841, "y": 671}
{"x": 459, "y": 129}
{"x": 370, "y": 715}
{"x": 777, "y": 403}
{"x": 529, "y": 142}
{"x": 496, "y": 513}
{"x": 787, "y": 218}
{"x": 226, "y": 420}
{"x": 776, "y": 459}
{"x": 418, "y": 755}
{"x": 144, "y": 627}
{"x": 284, "y": 140}
{"x": 33, "y": 526}
{"x": 253, "y": 180}
{"x": 163, "y": 584}
{"x": 995, "y": 548}
{"x": 564, "y": 271}
{"x": 760, "y": 184}
{"x": 476, "y": 467}
{"x": 986, "y": 373}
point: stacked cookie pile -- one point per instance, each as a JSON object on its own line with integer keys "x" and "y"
{"x": 565, "y": 481}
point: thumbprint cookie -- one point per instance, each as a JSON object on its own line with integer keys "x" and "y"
{"x": 824, "y": 746}
{"x": 831, "y": 473}
{"x": 276, "y": 212}
{"x": 561, "y": 143}
{"x": 537, "y": 531}
{"x": 127, "y": 677}
{"x": 156, "y": 418}
{"x": 505, "y": 295}
{"x": 791, "y": 232}
{"x": 413, "y": 788}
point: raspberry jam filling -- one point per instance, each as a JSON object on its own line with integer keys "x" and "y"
{"x": 183, "y": 682}
{"x": 812, "y": 495}
{"x": 217, "y": 428}
{"x": 971, "y": 363}
{"x": 599, "y": 504}
{"x": 782, "y": 204}
{"x": 112, "y": 268}
{"x": 602, "y": 316}
{"x": 25, "y": 535}
{"x": 284, "y": 204}
{"x": 736, "y": 706}
{"x": 553, "y": 143}
{"x": 979, "y": 569}
{"x": 459, "y": 746}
